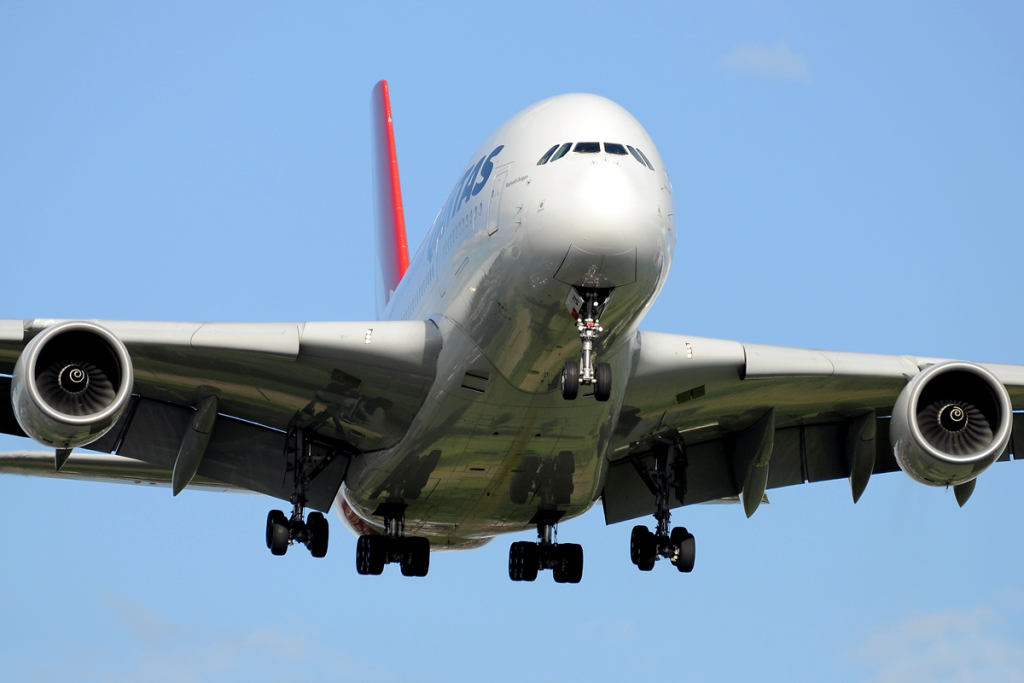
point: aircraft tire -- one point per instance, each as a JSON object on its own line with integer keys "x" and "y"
{"x": 274, "y": 517}
{"x": 635, "y": 539}
{"x": 515, "y": 561}
{"x": 531, "y": 561}
{"x": 648, "y": 555}
{"x": 683, "y": 540}
{"x": 319, "y": 534}
{"x": 570, "y": 380}
{"x": 572, "y": 558}
{"x": 417, "y": 556}
{"x": 603, "y": 383}
{"x": 277, "y": 527}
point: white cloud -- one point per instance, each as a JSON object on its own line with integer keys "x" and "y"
{"x": 164, "y": 650}
{"x": 944, "y": 647}
{"x": 778, "y": 62}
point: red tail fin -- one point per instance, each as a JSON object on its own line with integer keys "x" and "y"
{"x": 392, "y": 248}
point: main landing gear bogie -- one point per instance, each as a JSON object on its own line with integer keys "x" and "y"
{"x": 646, "y": 547}
{"x": 374, "y": 551}
{"x": 526, "y": 559}
{"x": 574, "y": 374}
{"x": 306, "y": 457}
{"x": 314, "y": 533}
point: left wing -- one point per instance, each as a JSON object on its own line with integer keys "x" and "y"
{"x": 711, "y": 398}
{"x": 352, "y": 386}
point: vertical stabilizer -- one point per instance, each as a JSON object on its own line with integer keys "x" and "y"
{"x": 392, "y": 248}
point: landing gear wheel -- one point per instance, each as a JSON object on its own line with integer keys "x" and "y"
{"x": 531, "y": 561}
{"x": 686, "y": 549}
{"x": 278, "y": 534}
{"x": 318, "y": 533}
{"x": 635, "y": 541}
{"x": 647, "y": 550}
{"x": 523, "y": 561}
{"x": 408, "y": 561}
{"x": 570, "y": 380}
{"x": 515, "y": 561}
{"x": 371, "y": 554}
{"x": 417, "y": 556}
{"x": 570, "y": 566}
{"x": 603, "y": 383}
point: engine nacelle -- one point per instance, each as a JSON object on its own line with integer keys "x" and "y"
{"x": 950, "y": 423}
{"x": 71, "y": 384}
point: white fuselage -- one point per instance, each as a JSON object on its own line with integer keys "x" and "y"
{"x": 495, "y": 441}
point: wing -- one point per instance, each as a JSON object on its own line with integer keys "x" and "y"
{"x": 100, "y": 467}
{"x": 710, "y": 397}
{"x": 355, "y": 386}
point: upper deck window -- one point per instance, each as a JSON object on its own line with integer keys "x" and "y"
{"x": 646, "y": 160}
{"x": 561, "y": 151}
{"x": 587, "y": 147}
{"x": 547, "y": 155}
{"x": 614, "y": 148}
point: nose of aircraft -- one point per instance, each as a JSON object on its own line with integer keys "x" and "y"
{"x": 598, "y": 216}
{"x": 603, "y": 202}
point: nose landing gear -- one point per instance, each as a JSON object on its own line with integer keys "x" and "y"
{"x": 585, "y": 304}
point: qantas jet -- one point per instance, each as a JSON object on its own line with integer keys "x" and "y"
{"x": 505, "y": 384}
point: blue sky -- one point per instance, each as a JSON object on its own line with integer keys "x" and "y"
{"x": 847, "y": 177}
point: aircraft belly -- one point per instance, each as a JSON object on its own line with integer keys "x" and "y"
{"x": 483, "y": 457}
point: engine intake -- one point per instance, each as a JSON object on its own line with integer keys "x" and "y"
{"x": 71, "y": 384}
{"x": 950, "y": 423}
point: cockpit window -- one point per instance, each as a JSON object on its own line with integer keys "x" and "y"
{"x": 587, "y": 147}
{"x": 547, "y": 155}
{"x": 646, "y": 160}
{"x": 561, "y": 151}
{"x": 614, "y": 148}
{"x": 635, "y": 155}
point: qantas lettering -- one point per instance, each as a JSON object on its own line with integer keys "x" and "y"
{"x": 482, "y": 170}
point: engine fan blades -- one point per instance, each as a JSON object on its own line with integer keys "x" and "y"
{"x": 955, "y": 427}
{"x": 75, "y": 388}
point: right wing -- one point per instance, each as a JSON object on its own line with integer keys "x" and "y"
{"x": 114, "y": 469}
{"x": 356, "y": 386}
{"x": 706, "y": 393}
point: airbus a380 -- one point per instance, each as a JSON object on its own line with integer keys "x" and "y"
{"x": 505, "y": 384}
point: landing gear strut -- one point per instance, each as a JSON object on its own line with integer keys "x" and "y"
{"x": 647, "y": 547}
{"x": 586, "y": 305}
{"x": 314, "y": 533}
{"x": 375, "y": 551}
{"x": 565, "y": 560}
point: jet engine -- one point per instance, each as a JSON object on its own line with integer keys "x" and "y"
{"x": 950, "y": 423}
{"x": 71, "y": 384}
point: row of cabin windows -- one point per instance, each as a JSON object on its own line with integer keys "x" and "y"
{"x": 559, "y": 151}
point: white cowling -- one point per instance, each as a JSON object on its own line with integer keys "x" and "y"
{"x": 71, "y": 384}
{"x": 950, "y": 423}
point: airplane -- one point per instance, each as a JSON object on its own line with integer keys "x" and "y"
{"x": 505, "y": 384}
